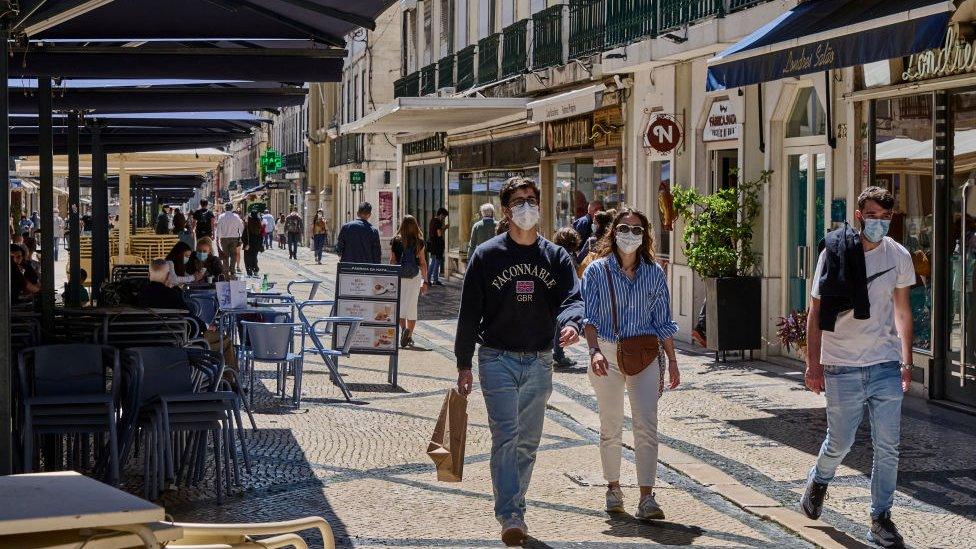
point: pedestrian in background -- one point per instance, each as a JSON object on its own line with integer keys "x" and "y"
{"x": 228, "y": 232}
{"x": 519, "y": 290}
{"x": 484, "y": 229}
{"x": 407, "y": 251}
{"x": 253, "y": 243}
{"x": 162, "y": 222}
{"x": 358, "y": 240}
{"x": 25, "y": 226}
{"x": 35, "y": 223}
{"x": 179, "y": 221}
{"x": 568, "y": 239}
{"x": 319, "y": 231}
{"x": 294, "y": 228}
{"x": 600, "y": 225}
{"x": 626, "y": 296}
{"x": 584, "y": 225}
{"x": 280, "y": 228}
{"x": 58, "y": 232}
{"x": 268, "y": 221}
{"x": 435, "y": 246}
{"x": 203, "y": 220}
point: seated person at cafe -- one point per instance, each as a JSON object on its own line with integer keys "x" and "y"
{"x": 157, "y": 293}
{"x": 81, "y": 291}
{"x": 204, "y": 257}
{"x": 24, "y": 282}
{"x": 177, "y": 259}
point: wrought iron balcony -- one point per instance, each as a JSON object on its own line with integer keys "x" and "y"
{"x": 488, "y": 59}
{"x": 408, "y": 86}
{"x": 465, "y": 68}
{"x": 347, "y": 149}
{"x": 628, "y": 21}
{"x": 515, "y": 57}
{"x": 547, "y": 30}
{"x": 428, "y": 79}
{"x": 736, "y": 5}
{"x": 675, "y": 13}
{"x": 586, "y": 27}
{"x": 445, "y": 72}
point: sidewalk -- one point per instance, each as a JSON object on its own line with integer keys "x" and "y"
{"x": 737, "y": 441}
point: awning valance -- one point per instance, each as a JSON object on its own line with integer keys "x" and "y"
{"x": 434, "y": 114}
{"x": 565, "y": 105}
{"x": 819, "y": 35}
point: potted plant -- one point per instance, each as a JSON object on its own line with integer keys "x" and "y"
{"x": 791, "y": 331}
{"x": 718, "y": 243}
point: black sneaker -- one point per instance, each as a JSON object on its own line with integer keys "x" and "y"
{"x": 564, "y": 362}
{"x": 884, "y": 533}
{"x": 405, "y": 339}
{"x": 813, "y": 498}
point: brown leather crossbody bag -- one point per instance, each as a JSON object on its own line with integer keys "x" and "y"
{"x": 633, "y": 353}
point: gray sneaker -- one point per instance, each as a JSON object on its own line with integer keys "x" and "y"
{"x": 649, "y": 509}
{"x": 514, "y": 531}
{"x": 615, "y": 500}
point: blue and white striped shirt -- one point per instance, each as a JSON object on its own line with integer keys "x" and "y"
{"x": 643, "y": 304}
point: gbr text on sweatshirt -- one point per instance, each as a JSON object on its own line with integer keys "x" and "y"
{"x": 874, "y": 340}
{"x": 514, "y": 297}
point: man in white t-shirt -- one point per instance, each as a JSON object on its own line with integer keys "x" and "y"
{"x": 864, "y": 362}
{"x": 268, "y": 221}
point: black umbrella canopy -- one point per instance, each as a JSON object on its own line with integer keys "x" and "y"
{"x": 221, "y": 121}
{"x": 154, "y": 181}
{"x": 325, "y": 21}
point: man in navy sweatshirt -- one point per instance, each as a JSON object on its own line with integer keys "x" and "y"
{"x": 519, "y": 289}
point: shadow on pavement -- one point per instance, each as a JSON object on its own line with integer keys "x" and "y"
{"x": 664, "y": 533}
{"x": 842, "y": 538}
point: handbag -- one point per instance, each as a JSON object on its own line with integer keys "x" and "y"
{"x": 633, "y": 353}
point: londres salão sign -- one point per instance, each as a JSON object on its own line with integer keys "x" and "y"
{"x": 956, "y": 56}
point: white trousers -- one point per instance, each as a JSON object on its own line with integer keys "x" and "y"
{"x": 642, "y": 392}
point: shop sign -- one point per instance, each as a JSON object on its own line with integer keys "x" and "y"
{"x": 955, "y": 57}
{"x": 721, "y": 123}
{"x": 386, "y": 213}
{"x": 573, "y": 105}
{"x": 569, "y": 134}
{"x": 663, "y": 134}
{"x": 357, "y": 178}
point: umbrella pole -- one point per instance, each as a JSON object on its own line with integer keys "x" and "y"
{"x": 6, "y": 358}
{"x": 100, "y": 239}
{"x": 46, "y": 158}
{"x": 74, "y": 211}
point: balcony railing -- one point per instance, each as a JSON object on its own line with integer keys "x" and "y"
{"x": 515, "y": 57}
{"x": 347, "y": 149}
{"x": 465, "y": 68}
{"x": 445, "y": 72}
{"x": 736, "y": 5}
{"x": 547, "y": 31}
{"x": 408, "y": 86}
{"x": 629, "y": 20}
{"x": 586, "y": 27}
{"x": 295, "y": 162}
{"x": 428, "y": 79}
{"x": 488, "y": 59}
{"x": 675, "y": 13}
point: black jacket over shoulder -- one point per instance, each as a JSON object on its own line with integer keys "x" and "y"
{"x": 843, "y": 280}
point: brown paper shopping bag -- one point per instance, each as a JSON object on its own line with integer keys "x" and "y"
{"x": 446, "y": 446}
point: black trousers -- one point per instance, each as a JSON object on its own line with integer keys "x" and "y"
{"x": 251, "y": 260}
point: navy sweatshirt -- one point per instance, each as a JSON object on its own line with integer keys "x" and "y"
{"x": 515, "y": 297}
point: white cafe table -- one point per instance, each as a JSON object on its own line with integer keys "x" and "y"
{"x": 41, "y": 503}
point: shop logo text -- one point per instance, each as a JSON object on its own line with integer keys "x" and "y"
{"x": 822, "y": 57}
{"x": 956, "y": 56}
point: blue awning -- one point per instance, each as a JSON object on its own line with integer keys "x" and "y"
{"x": 820, "y": 35}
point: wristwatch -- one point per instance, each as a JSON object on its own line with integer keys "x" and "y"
{"x": 906, "y": 366}
{"x": 594, "y": 350}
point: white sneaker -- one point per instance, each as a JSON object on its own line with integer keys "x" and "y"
{"x": 615, "y": 500}
{"x": 514, "y": 531}
{"x": 648, "y": 509}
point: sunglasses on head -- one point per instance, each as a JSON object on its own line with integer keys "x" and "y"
{"x": 635, "y": 230}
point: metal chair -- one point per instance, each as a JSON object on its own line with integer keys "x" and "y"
{"x": 242, "y": 536}
{"x": 323, "y": 328}
{"x": 273, "y": 343}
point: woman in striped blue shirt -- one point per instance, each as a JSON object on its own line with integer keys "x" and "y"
{"x": 643, "y": 308}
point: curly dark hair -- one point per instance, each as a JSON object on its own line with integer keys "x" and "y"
{"x": 567, "y": 238}
{"x": 608, "y": 244}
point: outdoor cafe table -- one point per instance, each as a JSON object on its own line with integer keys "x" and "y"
{"x": 67, "y": 501}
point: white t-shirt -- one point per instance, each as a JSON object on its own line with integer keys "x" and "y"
{"x": 874, "y": 340}
{"x": 268, "y": 221}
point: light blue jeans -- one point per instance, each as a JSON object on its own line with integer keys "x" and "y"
{"x": 516, "y": 387}
{"x": 848, "y": 390}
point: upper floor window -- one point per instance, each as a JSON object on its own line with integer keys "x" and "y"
{"x": 807, "y": 117}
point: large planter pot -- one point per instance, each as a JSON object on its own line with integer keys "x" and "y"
{"x": 733, "y": 313}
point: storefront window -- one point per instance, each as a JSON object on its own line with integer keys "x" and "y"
{"x": 903, "y": 154}
{"x": 579, "y": 181}
{"x": 808, "y": 117}
{"x": 467, "y": 191}
{"x": 665, "y": 210}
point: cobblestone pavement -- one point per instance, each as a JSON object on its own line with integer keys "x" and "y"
{"x": 363, "y": 465}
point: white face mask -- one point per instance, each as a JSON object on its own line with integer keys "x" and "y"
{"x": 628, "y": 243}
{"x": 525, "y": 216}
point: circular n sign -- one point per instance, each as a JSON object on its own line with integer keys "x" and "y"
{"x": 663, "y": 134}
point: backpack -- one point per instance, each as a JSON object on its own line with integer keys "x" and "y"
{"x": 291, "y": 224}
{"x": 409, "y": 267}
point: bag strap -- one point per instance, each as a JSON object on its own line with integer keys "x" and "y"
{"x": 613, "y": 301}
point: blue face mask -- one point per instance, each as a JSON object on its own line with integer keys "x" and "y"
{"x": 875, "y": 229}
{"x": 202, "y": 256}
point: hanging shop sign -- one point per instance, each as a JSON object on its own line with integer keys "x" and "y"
{"x": 570, "y": 134}
{"x": 663, "y": 134}
{"x": 386, "y": 213}
{"x": 956, "y": 56}
{"x": 357, "y": 178}
{"x": 722, "y": 123}
{"x": 272, "y": 162}
{"x": 512, "y": 152}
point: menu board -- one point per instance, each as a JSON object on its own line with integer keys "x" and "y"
{"x": 370, "y": 292}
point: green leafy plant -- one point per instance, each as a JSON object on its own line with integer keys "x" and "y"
{"x": 718, "y": 228}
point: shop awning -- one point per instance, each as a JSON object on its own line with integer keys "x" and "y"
{"x": 565, "y": 105}
{"x": 819, "y": 35}
{"x": 435, "y": 114}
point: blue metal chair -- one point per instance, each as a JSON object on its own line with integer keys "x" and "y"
{"x": 273, "y": 343}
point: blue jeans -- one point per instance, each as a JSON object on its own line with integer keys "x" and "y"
{"x": 434, "y": 270}
{"x": 268, "y": 238}
{"x": 293, "y": 239}
{"x": 319, "y": 246}
{"x": 516, "y": 387}
{"x": 848, "y": 389}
